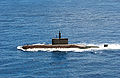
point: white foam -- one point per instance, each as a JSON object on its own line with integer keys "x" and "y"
{"x": 101, "y": 47}
{"x": 20, "y": 48}
{"x": 38, "y": 44}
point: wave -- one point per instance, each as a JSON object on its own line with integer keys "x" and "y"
{"x": 101, "y": 47}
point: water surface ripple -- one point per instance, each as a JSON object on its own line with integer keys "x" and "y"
{"x": 38, "y": 21}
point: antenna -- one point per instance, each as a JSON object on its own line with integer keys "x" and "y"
{"x": 59, "y": 35}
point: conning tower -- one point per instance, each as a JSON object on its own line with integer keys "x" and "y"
{"x": 59, "y": 41}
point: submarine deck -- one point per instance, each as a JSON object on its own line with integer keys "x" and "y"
{"x": 59, "y": 46}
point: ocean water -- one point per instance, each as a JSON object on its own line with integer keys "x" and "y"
{"x": 38, "y": 21}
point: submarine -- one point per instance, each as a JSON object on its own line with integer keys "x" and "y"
{"x": 59, "y": 43}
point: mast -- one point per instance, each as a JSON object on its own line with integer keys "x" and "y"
{"x": 59, "y": 35}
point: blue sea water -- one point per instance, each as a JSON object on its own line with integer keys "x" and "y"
{"x": 38, "y": 21}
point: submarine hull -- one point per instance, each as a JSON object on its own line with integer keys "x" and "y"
{"x": 58, "y": 46}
